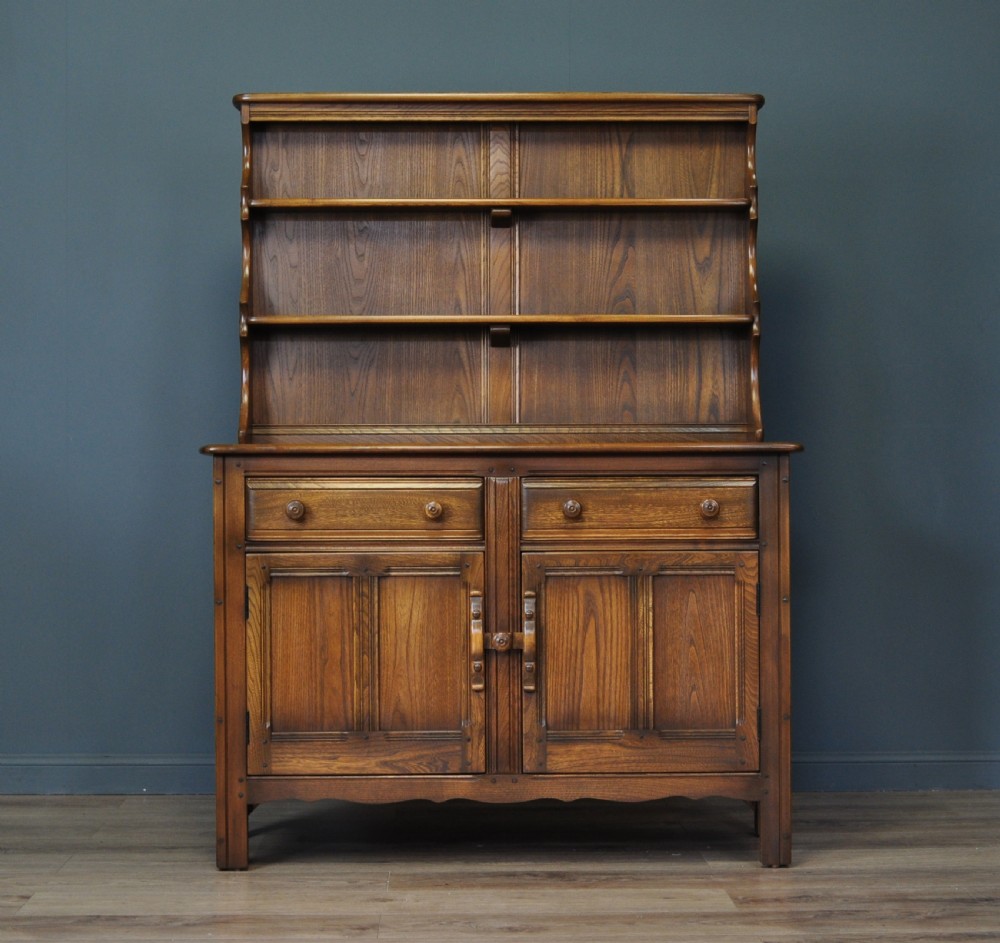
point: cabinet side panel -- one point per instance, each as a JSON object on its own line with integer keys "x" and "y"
{"x": 632, "y": 160}
{"x": 368, "y": 160}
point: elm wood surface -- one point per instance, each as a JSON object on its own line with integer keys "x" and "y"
{"x": 501, "y": 524}
{"x": 697, "y": 667}
{"x": 638, "y": 207}
{"x": 898, "y": 867}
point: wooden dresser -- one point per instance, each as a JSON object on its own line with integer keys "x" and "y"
{"x": 500, "y": 523}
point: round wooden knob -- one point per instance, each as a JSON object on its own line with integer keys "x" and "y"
{"x": 572, "y": 509}
{"x": 295, "y": 510}
{"x": 502, "y": 641}
{"x": 433, "y": 510}
{"x": 709, "y": 508}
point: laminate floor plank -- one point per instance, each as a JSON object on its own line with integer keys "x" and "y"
{"x": 895, "y": 867}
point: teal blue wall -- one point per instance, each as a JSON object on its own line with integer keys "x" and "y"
{"x": 119, "y": 263}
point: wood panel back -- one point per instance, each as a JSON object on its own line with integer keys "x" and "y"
{"x": 348, "y": 376}
{"x": 634, "y": 375}
{"x": 363, "y": 264}
{"x": 675, "y": 262}
{"x": 368, "y": 161}
{"x": 636, "y": 160}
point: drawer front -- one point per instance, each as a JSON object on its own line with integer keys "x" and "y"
{"x": 364, "y": 509}
{"x": 639, "y": 508}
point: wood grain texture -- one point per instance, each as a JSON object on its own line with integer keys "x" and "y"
{"x": 365, "y": 509}
{"x": 422, "y": 632}
{"x": 372, "y": 160}
{"x": 647, "y": 663}
{"x": 365, "y": 264}
{"x": 898, "y": 867}
{"x": 589, "y": 668}
{"x": 633, "y": 263}
{"x": 359, "y": 664}
{"x": 354, "y": 376}
{"x": 589, "y": 375}
{"x": 635, "y": 160}
{"x": 635, "y": 508}
{"x": 314, "y": 654}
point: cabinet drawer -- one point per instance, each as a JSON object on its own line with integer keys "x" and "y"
{"x": 364, "y": 509}
{"x": 644, "y": 508}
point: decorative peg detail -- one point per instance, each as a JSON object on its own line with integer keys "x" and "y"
{"x": 501, "y": 218}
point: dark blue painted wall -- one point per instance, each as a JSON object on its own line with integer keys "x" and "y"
{"x": 119, "y": 261}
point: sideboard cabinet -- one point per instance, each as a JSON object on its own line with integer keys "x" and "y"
{"x": 500, "y": 522}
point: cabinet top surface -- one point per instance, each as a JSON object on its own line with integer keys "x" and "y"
{"x": 398, "y": 446}
{"x": 519, "y": 105}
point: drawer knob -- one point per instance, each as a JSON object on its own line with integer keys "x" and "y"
{"x": 295, "y": 510}
{"x": 709, "y": 508}
{"x": 572, "y": 509}
{"x": 433, "y": 510}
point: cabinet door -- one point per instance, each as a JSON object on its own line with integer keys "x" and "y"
{"x": 644, "y": 662}
{"x": 365, "y": 663}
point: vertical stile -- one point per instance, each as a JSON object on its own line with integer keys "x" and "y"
{"x": 499, "y": 298}
{"x": 245, "y": 228}
{"x": 751, "y": 184}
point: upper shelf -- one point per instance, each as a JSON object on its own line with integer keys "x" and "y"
{"x": 504, "y": 320}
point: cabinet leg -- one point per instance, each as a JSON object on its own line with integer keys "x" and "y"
{"x": 774, "y": 822}
{"x": 233, "y": 833}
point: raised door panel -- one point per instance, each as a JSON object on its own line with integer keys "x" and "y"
{"x": 645, "y": 663}
{"x": 362, "y": 663}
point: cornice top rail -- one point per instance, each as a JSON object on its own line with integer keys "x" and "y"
{"x": 520, "y": 106}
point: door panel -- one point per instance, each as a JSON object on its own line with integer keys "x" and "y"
{"x": 314, "y": 652}
{"x": 420, "y": 655}
{"x": 361, "y": 663}
{"x": 595, "y": 670}
{"x": 647, "y": 662}
{"x": 695, "y": 647}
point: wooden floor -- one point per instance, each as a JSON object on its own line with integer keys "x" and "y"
{"x": 868, "y": 867}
